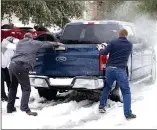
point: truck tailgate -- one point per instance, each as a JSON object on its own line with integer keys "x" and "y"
{"x": 76, "y": 60}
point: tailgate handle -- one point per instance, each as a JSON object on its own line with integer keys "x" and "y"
{"x": 60, "y": 48}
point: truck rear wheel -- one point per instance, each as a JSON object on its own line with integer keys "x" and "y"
{"x": 116, "y": 94}
{"x": 49, "y": 94}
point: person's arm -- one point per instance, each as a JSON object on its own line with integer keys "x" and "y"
{"x": 49, "y": 44}
{"x": 104, "y": 49}
{"x": 131, "y": 47}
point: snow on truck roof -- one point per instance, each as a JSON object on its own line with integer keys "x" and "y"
{"x": 99, "y": 22}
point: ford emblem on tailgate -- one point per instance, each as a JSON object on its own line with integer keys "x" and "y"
{"x": 61, "y": 58}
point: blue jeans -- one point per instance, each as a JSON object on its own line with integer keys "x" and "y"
{"x": 120, "y": 76}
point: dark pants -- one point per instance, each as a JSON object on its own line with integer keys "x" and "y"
{"x": 19, "y": 74}
{"x": 4, "y": 78}
{"x": 119, "y": 75}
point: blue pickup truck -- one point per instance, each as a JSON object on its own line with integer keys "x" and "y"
{"x": 77, "y": 65}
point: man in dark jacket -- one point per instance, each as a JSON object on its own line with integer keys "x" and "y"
{"x": 21, "y": 63}
{"x": 119, "y": 51}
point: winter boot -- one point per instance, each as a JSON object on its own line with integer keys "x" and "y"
{"x": 32, "y": 113}
{"x": 102, "y": 110}
{"x": 11, "y": 110}
{"x": 131, "y": 116}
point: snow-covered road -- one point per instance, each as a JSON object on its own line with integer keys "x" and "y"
{"x": 84, "y": 114}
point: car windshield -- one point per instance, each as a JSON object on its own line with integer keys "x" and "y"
{"x": 7, "y": 27}
{"x": 89, "y": 33}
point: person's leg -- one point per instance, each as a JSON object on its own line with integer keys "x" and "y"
{"x": 110, "y": 78}
{"x": 123, "y": 83}
{"x": 23, "y": 78}
{"x": 3, "y": 94}
{"x": 12, "y": 91}
{"x": 7, "y": 78}
{"x": 26, "y": 90}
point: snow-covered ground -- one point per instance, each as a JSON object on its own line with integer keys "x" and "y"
{"x": 84, "y": 114}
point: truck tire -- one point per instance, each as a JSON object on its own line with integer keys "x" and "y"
{"x": 49, "y": 94}
{"x": 116, "y": 95}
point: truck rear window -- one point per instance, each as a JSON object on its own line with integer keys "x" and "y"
{"x": 89, "y": 33}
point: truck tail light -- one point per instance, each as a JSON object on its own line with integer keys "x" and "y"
{"x": 102, "y": 61}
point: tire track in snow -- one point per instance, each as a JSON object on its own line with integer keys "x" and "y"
{"x": 79, "y": 116}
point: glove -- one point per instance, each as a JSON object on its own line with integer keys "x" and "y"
{"x": 105, "y": 44}
{"x": 101, "y": 46}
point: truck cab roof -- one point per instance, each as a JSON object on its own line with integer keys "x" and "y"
{"x": 101, "y": 22}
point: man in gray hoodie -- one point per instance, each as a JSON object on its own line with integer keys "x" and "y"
{"x": 21, "y": 63}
